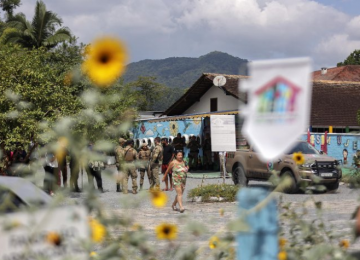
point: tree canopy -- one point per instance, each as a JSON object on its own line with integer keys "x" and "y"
{"x": 148, "y": 92}
{"x": 8, "y": 6}
{"x": 352, "y": 59}
{"x": 32, "y": 89}
{"x": 43, "y": 31}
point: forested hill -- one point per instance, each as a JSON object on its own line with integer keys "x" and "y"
{"x": 183, "y": 72}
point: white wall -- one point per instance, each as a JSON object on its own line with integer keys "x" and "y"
{"x": 224, "y": 102}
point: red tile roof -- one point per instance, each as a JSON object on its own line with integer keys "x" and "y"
{"x": 335, "y": 103}
{"x": 344, "y": 73}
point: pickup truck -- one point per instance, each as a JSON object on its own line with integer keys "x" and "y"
{"x": 245, "y": 165}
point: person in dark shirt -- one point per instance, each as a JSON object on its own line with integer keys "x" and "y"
{"x": 168, "y": 156}
{"x": 179, "y": 143}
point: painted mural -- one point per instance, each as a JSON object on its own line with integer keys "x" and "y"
{"x": 148, "y": 131}
{"x": 277, "y": 96}
{"x": 343, "y": 147}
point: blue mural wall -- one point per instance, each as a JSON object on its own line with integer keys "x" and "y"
{"x": 342, "y": 147}
{"x": 186, "y": 127}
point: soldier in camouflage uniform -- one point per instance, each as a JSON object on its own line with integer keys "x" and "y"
{"x": 194, "y": 153}
{"x": 119, "y": 155}
{"x": 155, "y": 158}
{"x": 130, "y": 156}
{"x": 144, "y": 156}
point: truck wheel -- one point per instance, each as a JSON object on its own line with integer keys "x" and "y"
{"x": 332, "y": 186}
{"x": 239, "y": 177}
{"x": 291, "y": 189}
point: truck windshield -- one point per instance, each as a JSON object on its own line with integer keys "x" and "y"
{"x": 303, "y": 147}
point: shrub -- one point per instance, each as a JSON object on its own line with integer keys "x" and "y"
{"x": 352, "y": 177}
{"x": 225, "y": 191}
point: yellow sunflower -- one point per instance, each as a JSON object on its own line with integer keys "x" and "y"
{"x": 105, "y": 61}
{"x": 173, "y": 128}
{"x": 93, "y": 254}
{"x": 136, "y": 227}
{"x": 222, "y": 211}
{"x": 282, "y": 255}
{"x": 98, "y": 230}
{"x": 53, "y": 238}
{"x": 282, "y": 242}
{"x": 166, "y": 231}
{"x": 344, "y": 243}
{"x": 298, "y": 158}
{"x": 62, "y": 144}
{"x": 197, "y": 121}
{"x": 68, "y": 79}
{"x": 158, "y": 198}
{"x": 213, "y": 242}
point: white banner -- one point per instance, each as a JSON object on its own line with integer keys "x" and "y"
{"x": 279, "y": 104}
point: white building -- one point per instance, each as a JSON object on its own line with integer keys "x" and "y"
{"x": 204, "y": 97}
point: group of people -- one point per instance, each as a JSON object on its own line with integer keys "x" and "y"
{"x": 164, "y": 158}
{"x": 147, "y": 162}
{"x": 12, "y": 158}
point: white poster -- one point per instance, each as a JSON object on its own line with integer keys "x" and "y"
{"x": 279, "y": 100}
{"x": 54, "y": 234}
{"x": 223, "y": 136}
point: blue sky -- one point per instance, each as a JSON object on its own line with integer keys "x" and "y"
{"x": 325, "y": 30}
{"x": 351, "y": 7}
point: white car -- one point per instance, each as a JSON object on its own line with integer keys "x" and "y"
{"x": 16, "y": 192}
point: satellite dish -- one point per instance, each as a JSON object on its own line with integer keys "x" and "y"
{"x": 219, "y": 81}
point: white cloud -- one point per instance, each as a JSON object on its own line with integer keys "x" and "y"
{"x": 252, "y": 29}
{"x": 353, "y": 28}
{"x": 149, "y": 133}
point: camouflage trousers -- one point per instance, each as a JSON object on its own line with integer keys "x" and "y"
{"x": 130, "y": 170}
{"x": 142, "y": 176}
{"x": 154, "y": 176}
{"x": 120, "y": 176}
{"x": 193, "y": 160}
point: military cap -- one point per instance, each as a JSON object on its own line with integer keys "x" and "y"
{"x": 130, "y": 141}
{"x": 122, "y": 140}
{"x": 144, "y": 145}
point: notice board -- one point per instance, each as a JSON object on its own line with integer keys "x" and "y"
{"x": 223, "y": 134}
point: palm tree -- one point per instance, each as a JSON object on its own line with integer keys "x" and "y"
{"x": 40, "y": 32}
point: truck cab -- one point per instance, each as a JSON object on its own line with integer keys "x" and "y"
{"x": 245, "y": 164}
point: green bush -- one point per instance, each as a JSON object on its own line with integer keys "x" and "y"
{"x": 225, "y": 191}
{"x": 353, "y": 178}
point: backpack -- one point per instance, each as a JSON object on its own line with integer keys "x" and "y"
{"x": 129, "y": 156}
{"x": 97, "y": 165}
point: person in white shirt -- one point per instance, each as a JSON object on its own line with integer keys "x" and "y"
{"x": 51, "y": 168}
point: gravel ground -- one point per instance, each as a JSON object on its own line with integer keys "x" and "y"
{"x": 338, "y": 208}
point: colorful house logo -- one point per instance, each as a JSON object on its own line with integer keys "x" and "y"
{"x": 277, "y": 96}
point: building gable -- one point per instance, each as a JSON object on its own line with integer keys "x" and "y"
{"x": 200, "y": 87}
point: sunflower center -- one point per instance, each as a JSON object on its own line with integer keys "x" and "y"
{"x": 298, "y": 158}
{"x": 166, "y": 230}
{"x": 104, "y": 58}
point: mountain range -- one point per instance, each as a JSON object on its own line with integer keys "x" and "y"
{"x": 181, "y": 72}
